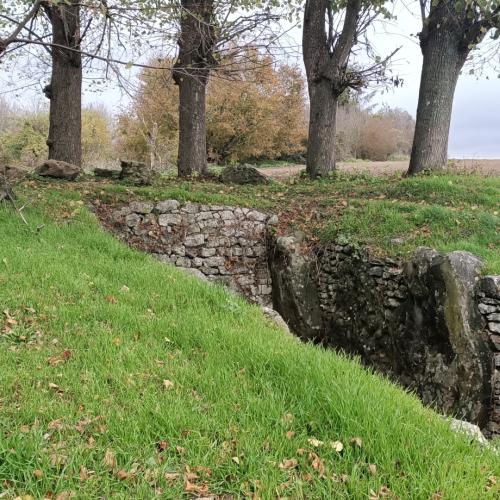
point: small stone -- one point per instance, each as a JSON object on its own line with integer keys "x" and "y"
{"x": 495, "y": 317}
{"x": 132, "y": 220}
{"x": 190, "y": 208}
{"x": 58, "y": 170}
{"x": 486, "y": 308}
{"x": 170, "y": 219}
{"x": 256, "y": 216}
{"x": 208, "y": 252}
{"x": 273, "y": 220}
{"x": 376, "y": 271}
{"x": 494, "y": 327}
{"x": 141, "y": 207}
{"x": 194, "y": 240}
{"x": 167, "y": 206}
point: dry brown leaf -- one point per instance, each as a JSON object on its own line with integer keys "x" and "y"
{"x": 24, "y": 429}
{"x": 84, "y": 473}
{"x": 290, "y": 434}
{"x": 236, "y": 460}
{"x": 162, "y": 445}
{"x": 357, "y": 441}
{"x": 199, "y": 489}
{"x": 180, "y": 450}
{"x": 340, "y": 478}
{"x": 172, "y": 476}
{"x": 338, "y": 446}
{"x": 109, "y": 459}
{"x": 437, "y": 495}
{"x": 55, "y": 424}
{"x": 287, "y": 418}
{"x": 317, "y": 463}
{"x": 372, "y": 469}
{"x": 111, "y": 299}
{"x": 66, "y": 495}
{"x": 38, "y": 473}
{"x": 168, "y": 384}
{"x": 315, "y": 442}
{"x": 288, "y": 463}
{"x": 301, "y": 451}
{"x": 122, "y": 475}
{"x": 82, "y": 424}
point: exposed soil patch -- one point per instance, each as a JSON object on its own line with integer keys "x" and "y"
{"x": 484, "y": 167}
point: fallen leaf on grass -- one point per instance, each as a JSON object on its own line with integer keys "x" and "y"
{"x": 168, "y": 384}
{"x": 338, "y": 446}
{"x": 122, "y": 475}
{"x": 199, "y": 489}
{"x": 315, "y": 442}
{"x": 109, "y": 459}
{"x": 55, "y": 424}
{"x": 357, "y": 441}
{"x": 65, "y": 495}
{"x": 317, "y": 464}
{"x": 372, "y": 469}
{"x": 288, "y": 463}
{"x": 38, "y": 473}
{"x": 340, "y": 478}
{"x": 111, "y": 299}
{"x": 162, "y": 445}
{"x": 172, "y": 476}
{"x": 290, "y": 434}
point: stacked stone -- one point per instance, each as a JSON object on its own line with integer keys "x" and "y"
{"x": 489, "y": 307}
{"x": 346, "y": 275}
{"x": 224, "y": 244}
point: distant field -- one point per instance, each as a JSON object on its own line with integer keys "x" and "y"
{"x": 485, "y": 167}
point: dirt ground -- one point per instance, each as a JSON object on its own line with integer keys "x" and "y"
{"x": 485, "y": 167}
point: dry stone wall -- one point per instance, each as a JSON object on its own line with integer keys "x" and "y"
{"x": 220, "y": 243}
{"x": 489, "y": 306}
{"x": 430, "y": 322}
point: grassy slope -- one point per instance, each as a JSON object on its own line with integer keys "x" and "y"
{"x": 235, "y": 378}
{"x": 446, "y": 211}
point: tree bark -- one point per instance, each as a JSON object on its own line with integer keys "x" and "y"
{"x": 322, "y": 128}
{"x": 191, "y": 72}
{"x": 65, "y": 88}
{"x": 325, "y": 59}
{"x": 443, "y": 60}
{"x": 192, "y": 127}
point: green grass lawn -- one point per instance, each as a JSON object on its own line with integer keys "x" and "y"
{"x": 123, "y": 378}
{"x": 391, "y": 214}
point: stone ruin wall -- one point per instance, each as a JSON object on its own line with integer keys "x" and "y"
{"x": 432, "y": 323}
{"x": 220, "y": 243}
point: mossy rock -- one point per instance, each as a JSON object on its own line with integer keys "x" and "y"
{"x": 242, "y": 174}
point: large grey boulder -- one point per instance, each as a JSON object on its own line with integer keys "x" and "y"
{"x": 136, "y": 173}
{"x": 242, "y": 174}
{"x": 295, "y": 289}
{"x": 57, "y": 169}
{"x": 447, "y": 356}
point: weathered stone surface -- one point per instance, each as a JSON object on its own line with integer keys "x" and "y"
{"x": 141, "y": 207}
{"x": 136, "y": 173}
{"x": 169, "y": 219}
{"x": 277, "y": 319}
{"x": 490, "y": 286}
{"x": 202, "y": 238}
{"x": 58, "y": 170}
{"x": 242, "y": 174}
{"x": 419, "y": 323}
{"x": 107, "y": 172}
{"x": 167, "y": 206}
{"x": 470, "y": 430}
{"x": 295, "y": 292}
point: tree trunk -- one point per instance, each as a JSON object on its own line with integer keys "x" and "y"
{"x": 322, "y": 124}
{"x": 192, "y": 127}
{"x": 191, "y": 71}
{"x": 65, "y": 88}
{"x": 443, "y": 59}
